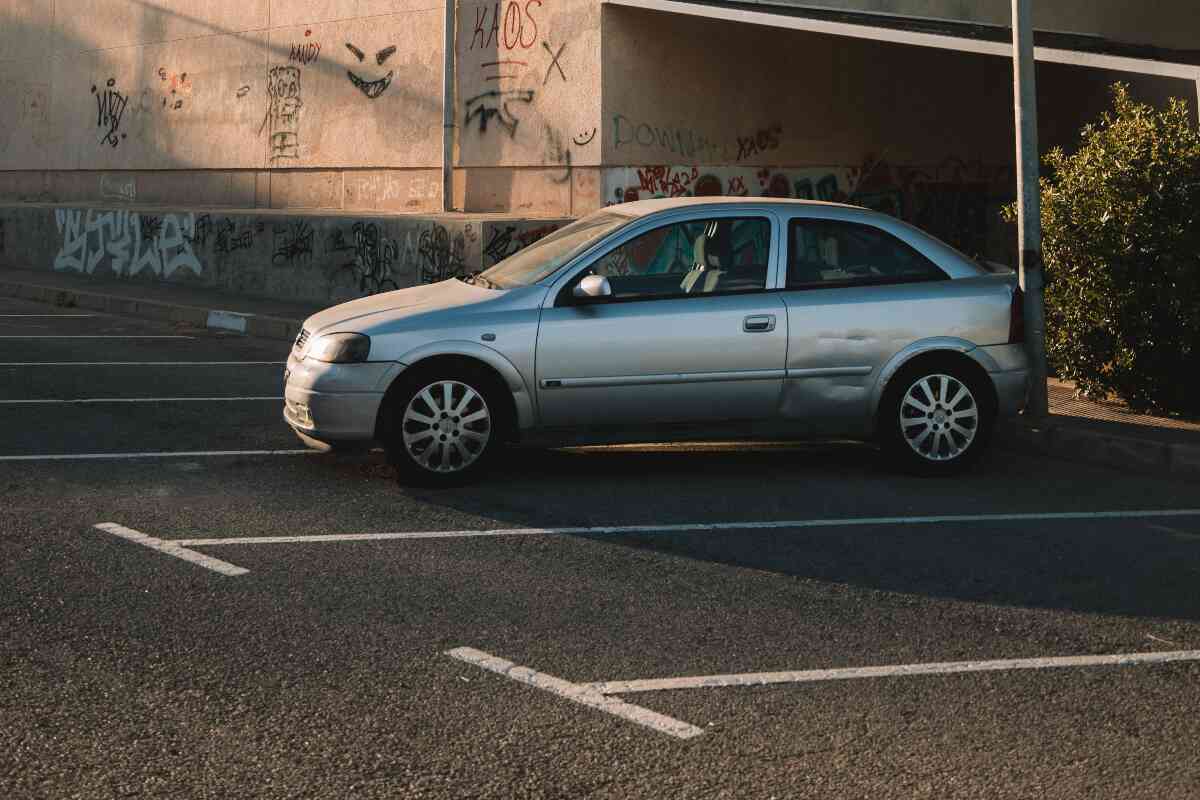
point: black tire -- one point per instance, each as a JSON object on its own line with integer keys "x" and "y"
{"x": 927, "y": 425}
{"x": 437, "y": 445}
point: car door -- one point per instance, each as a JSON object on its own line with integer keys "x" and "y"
{"x": 691, "y": 333}
{"x": 856, "y": 295}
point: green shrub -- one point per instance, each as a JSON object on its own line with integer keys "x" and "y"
{"x": 1121, "y": 240}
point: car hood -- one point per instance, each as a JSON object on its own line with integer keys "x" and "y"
{"x": 391, "y": 306}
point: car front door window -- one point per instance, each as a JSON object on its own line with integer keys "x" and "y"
{"x": 696, "y": 257}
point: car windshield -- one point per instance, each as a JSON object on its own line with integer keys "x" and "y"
{"x": 546, "y": 255}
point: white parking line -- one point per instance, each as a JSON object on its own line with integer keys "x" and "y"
{"x": 372, "y": 537}
{"x": 136, "y": 456}
{"x": 46, "y": 316}
{"x": 698, "y": 527}
{"x": 98, "y": 400}
{"x": 142, "y": 363}
{"x": 172, "y": 549}
{"x": 97, "y": 337}
{"x": 577, "y": 693}
{"x": 901, "y": 670}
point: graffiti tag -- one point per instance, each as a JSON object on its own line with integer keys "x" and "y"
{"x": 120, "y": 238}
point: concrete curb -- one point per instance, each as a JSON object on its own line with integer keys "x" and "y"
{"x": 1063, "y": 440}
{"x": 213, "y": 318}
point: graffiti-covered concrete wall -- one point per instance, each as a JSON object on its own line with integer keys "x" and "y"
{"x": 308, "y": 258}
{"x": 560, "y": 106}
{"x": 252, "y": 103}
{"x": 746, "y": 110}
{"x": 529, "y": 105}
{"x": 297, "y": 103}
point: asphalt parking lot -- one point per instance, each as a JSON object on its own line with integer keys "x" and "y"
{"x": 257, "y": 621}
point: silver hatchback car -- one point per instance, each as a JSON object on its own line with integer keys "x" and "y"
{"x": 672, "y": 320}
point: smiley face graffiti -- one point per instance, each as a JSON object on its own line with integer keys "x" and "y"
{"x": 372, "y": 89}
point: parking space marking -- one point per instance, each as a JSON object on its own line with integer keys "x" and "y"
{"x": 372, "y": 537}
{"x": 1176, "y": 532}
{"x": 172, "y": 549}
{"x": 142, "y": 363}
{"x": 577, "y": 693}
{"x": 49, "y": 336}
{"x": 698, "y": 527}
{"x": 900, "y": 670}
{"x": 46, "y": 316}
{"x": 101, "y": 400}
{"x": 135, "y": 456}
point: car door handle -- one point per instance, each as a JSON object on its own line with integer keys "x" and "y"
{"x": 760, "y": 324}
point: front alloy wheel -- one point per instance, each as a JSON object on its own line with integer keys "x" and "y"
{"x": 446, "y": 427}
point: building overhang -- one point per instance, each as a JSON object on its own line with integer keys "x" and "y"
{"x": 1072, "y": 49}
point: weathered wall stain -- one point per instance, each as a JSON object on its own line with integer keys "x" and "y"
{"x": 23, "y": 108}
{"x": 123, "y": 189}
{"x": 175, "y": 88}
{"x": 410, "y": 191}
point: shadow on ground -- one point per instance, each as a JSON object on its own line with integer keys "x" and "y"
{"x": 1136, "y": 567}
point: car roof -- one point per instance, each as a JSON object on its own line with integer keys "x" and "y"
{"x": 639, "y": 208}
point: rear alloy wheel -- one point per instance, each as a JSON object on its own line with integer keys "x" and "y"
{"x": 935, "y": 420}
{"x": 445, "y": 432}
{"x": 939, "y": 417}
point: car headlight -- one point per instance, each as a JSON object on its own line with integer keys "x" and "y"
{"x": 340, "y": 348}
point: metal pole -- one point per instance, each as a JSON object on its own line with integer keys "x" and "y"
{"x": 448, "y": 109}
{"x": 1198, "y": 97}
{"x": 1029, "y": 206}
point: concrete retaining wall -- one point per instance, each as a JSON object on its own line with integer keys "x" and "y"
{"x": 290, "y": 104}
{"x": 320, "y": 259}
{"x": 923, "y": 134}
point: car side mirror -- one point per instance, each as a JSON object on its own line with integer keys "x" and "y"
{"x": 592, "y": 289}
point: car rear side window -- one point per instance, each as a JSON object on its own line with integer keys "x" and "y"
{"x": 830, "y": 253}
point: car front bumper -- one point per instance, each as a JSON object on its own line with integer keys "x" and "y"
{"x": 334, "y": 403}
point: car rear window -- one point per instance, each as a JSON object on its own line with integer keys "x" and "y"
{"x": 828, "y": 253}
